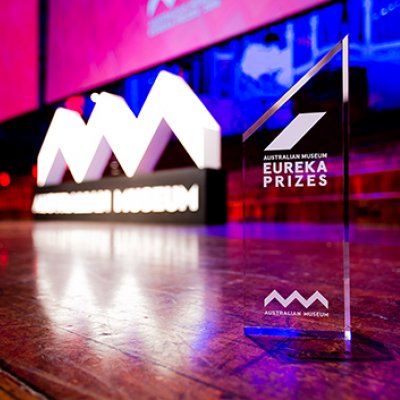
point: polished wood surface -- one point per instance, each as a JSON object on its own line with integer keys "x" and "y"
{"x": 104, "y": 311}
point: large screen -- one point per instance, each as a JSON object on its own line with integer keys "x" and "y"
{"x": 239, "y": 79}
{"x": 19, "y": 44}
{"x": 94, "y": 42}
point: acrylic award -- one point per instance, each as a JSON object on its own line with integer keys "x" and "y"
{"x": 296, "y": 206}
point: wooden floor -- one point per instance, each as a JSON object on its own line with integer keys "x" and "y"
{"x": 119, "y": 311}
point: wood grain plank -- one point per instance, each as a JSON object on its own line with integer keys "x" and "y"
{"x": 118, "y": 311}
{"x": 12, "y": 388}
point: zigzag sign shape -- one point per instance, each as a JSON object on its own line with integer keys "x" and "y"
{"x": 137, "y": 143}
{"x": 275, "y": 295}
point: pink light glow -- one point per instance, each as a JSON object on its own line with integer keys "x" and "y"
{"x": 92, "y": 43}
{"x": 19, "y": 44}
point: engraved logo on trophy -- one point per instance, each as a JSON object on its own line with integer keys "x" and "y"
{"x": 306, "y": 303}
{"x": 295, "y": 131}
{"x": 275, "y": 295}
{"x": 295, "y": 170}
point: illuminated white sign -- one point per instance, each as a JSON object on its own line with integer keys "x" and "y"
{"x": 137, "y": 143}
{"x": 156, "y": 199}
{"x": 85, "y": 202}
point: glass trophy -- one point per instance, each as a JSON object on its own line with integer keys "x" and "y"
{"x": 296, "y": 206}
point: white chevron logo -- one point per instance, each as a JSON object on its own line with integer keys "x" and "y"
{"x": 153, "y": 4}
{"x": 295, "y": 131}
{"x": 275, "y": 295}
{"x": 137, "y": 143}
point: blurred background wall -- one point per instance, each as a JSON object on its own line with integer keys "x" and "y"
{"x": 239, "y": 57}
